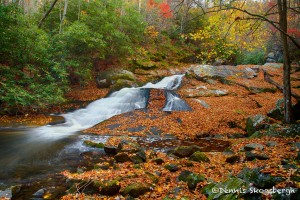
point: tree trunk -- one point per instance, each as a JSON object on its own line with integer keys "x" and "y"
{"x": 47, "y": 13}
{"x": 63, "y": 17}
{"x": 282, "y": 9}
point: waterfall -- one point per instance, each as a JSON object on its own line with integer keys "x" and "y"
{"x": 125, "y": 100}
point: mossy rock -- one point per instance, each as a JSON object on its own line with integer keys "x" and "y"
{"x": 183, "y": 175}
{"x": 93, "y": 144}
{"x": 172, "y": 167}
{"x": 259, "y": 179}
{"x": 256, "y": 123}
{"x": 136, "y": 159}
{"x": 136, "y": 189}
{"x": 152, "y": 177}
{"x": 199, "y": 157}
{"x": 185, "y": 151}
{"x": 110, "y": 188}
{"x": 158, "y": 161}
{"x": 193, "y": 179}
{"x": 122, "y": 157}
{"x": 233, "y": 159}
{"x": 120, "y": 84}
{"x": 230, "y": 184}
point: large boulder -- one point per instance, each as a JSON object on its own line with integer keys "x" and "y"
{"x": 203, "y": 72}
{"x": 119, "y": 78}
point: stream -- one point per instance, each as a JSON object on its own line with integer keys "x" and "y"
{"x": 32, "y": 156}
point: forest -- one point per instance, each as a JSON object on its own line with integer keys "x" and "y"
{"x": 149, "y": 99}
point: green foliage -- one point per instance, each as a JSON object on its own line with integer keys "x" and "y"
{"x": 29, "y": 78}
{"x": 256, "y": 57}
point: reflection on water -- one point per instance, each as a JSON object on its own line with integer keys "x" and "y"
{"x": 23, "y": 154}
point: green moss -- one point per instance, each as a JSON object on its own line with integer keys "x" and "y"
{"x": 93, "y": 144}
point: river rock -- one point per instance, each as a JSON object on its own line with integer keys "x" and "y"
{"x": 110, "y": 188}
{"x": 193, "y": 179}
{"x": 253, "y": 146}
{"x": 152, "y": 177}
{"x": 233, "y": 159}
{"x": 39, "y": 194}
{"x": 122, "y": 157}
{"x": 202, "y": 72}
{"x": 108, "y": 78}
{"x": 194, "y": 93}
{"x": 199, "y": 157}
{"x": 172, "y": 167}
{"x": 260, "y": 156}
{"x": 256, "y": 123}
{"x": 183, "y": 175}
{"x": 259, "y": 179}
{"x": 203, "y": 103}
{"x": 135, "y": 189}
{"x": 158, "y": 161}
{"x": 185, "y": 151}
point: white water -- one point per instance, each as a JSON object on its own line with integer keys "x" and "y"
{"x": 125, "y": 100}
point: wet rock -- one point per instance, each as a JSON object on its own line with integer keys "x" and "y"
{"x": 256, "y": 123}
{"x": 39, "y": 194}
{"x": 110, "y": 188}
{"x": 57, "y": 120}
{"x": 110, "y": 149}
{"x": 93, "y": 144}
{"x": 135, "y": 190}
{"x": 121, "y": 83}
{"x": 185, "y": 151}
{"x": 251, "y": 156}
{"x": 122, "y": 157}
{"x": 158, "y": 161}
{"x": 233, "y": 159}
{"x": 199, "y": 157}
{"x": 172, "y": 167}
{"x": 15, "y": 190}
{"x": 259, "y": 179}
{"x": 253, "y": 146}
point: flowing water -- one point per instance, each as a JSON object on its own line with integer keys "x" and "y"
{"x": 31, "y": 153}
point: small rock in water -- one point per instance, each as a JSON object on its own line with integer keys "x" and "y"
{"x": 39, "y": 194}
